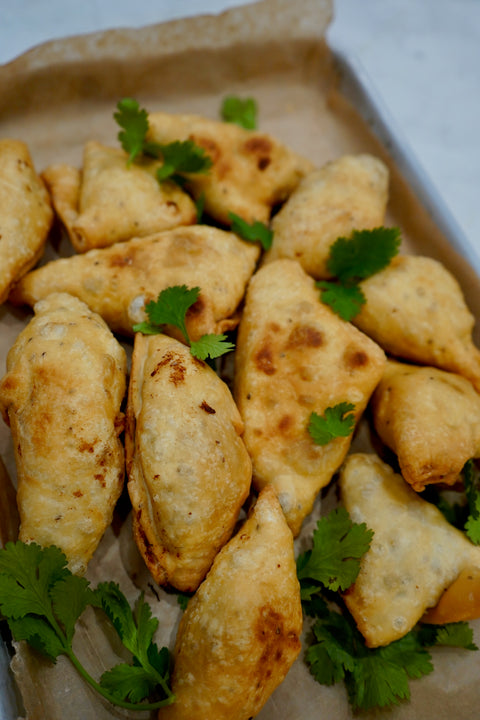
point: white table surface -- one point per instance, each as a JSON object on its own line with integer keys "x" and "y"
{"x": 421, "y": 56}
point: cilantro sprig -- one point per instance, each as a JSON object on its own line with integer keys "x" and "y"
{"x": 352, "y": 260}
{"x": 41, "y": 600}
{"x": 336, "y": 421}
{"x": 171, "y": 308}
{"x": 376, "y": 677}
{"x": 334, "y": 560}
{"x": 241, "y": 111}
{"x": 252, "y": 232}
{"x": 373, "y": 677}
{"x": 180, "y": 157}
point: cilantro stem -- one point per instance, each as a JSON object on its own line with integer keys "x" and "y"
{"x": 114, "y": 700}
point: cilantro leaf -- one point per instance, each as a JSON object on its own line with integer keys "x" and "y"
{"x": 134, "y": 121}
{"x": 211, "y": 346}
{"x": 336, "y": 421}
{"x": 42, "y": 600}
{"x": 182, "y": 156}
{"x": 254, "y": 232}
{"x": 346, "y": 300}
{"x": 374, "y": 677}
{"x": 353, "y": 259}
{"x": 472, "y": 492}
{"x": 457, "y": 634}
{"x": 170, "y": 308}
{"x": 363, "y": 254}
{"x": 243, "y": 112}
{"x": 338, "y": 546}
{"x": 136, "y": 631}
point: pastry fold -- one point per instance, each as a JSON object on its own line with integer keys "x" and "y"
{"x": 294, "y": 356}
{"x": 26, "y": 214}
{"x": 188, "y": 469}
{"x": 240, "y": 633}
{"x": 61, "y": 396}
{"x": 118, "y": 281}
{"x": 108, "y": 201}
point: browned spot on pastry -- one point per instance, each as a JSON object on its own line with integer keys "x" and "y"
{"x": 258, "y": 145}
{"x": 305, "y": 336}
{"x": 100, "y": 478}
{"x": 264, "y": 360}
{"x": 177, "y": 368}
{"x": 209, "y": 145}
{"x": 285, "y": 423}
{"x": 85, "y": 446}
{"x": 275, "y": 639}
{"x": 354, "y": 358}
{"x": 146, "y": 547}
{"x": 205, "y": 406}
{"x": 78, "y": 493}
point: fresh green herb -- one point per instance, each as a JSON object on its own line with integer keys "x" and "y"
{"x": 353, "y": 259}
{"x": 151, "y": 666}
{"x": 200, "y": 207}
{"x": 183, "y": 599}
{"x": 179, "y": 157}
{"x": 134, "y": 121}
{"x": 182, "y": 157}
{"x": 254, "y": 232}
{"x": 376, "y": 677}
{"x": 171, "y": 308}
{"x": 472, "y": 492}
{"x": 42, "y": 601}
{"x": 243, "y": 112}
{"x": 336, "y": 421}
{"x": 334, "y": 560}
{"x": 464, "y": 515}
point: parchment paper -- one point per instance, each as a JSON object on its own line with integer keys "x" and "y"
{"x": 63, "y": 93}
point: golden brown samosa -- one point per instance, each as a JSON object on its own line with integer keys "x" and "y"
{"x": 294, "y": 356}
{"x": 107, "y": 201}
{"x": 240, "y": 633}
{"x": 189, "y": 472}
{"x": 414, "y": 554}
{"x": 61, "y": 396}
{"x": 430, "y": 418}
{"x": 347, "y": 194}
{"x": 26, "y": 214}
{"x": 118, "y": 281}
{"x": 251, "y": 171}
{"x": 415, "y": 310}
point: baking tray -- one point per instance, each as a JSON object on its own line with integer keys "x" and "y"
{"x": 278, "y": 54}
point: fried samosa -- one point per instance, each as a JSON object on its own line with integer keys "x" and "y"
{"x": 251, "y": 172}
{"x": 294, "y": 356}
{"x": 415, "y": 554}
{"x": 430, "y": 418}
{"x": 107, "y": 201}
{"x": 415, "y": 310}
{"x": 240, "y": 633}
{"x": 347, "y": 194}
{"x": 189, "y": 471}
{"x": 26, "y": 214}
{"x": 61, "y": 396}
{"x": 118, "y": 281}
